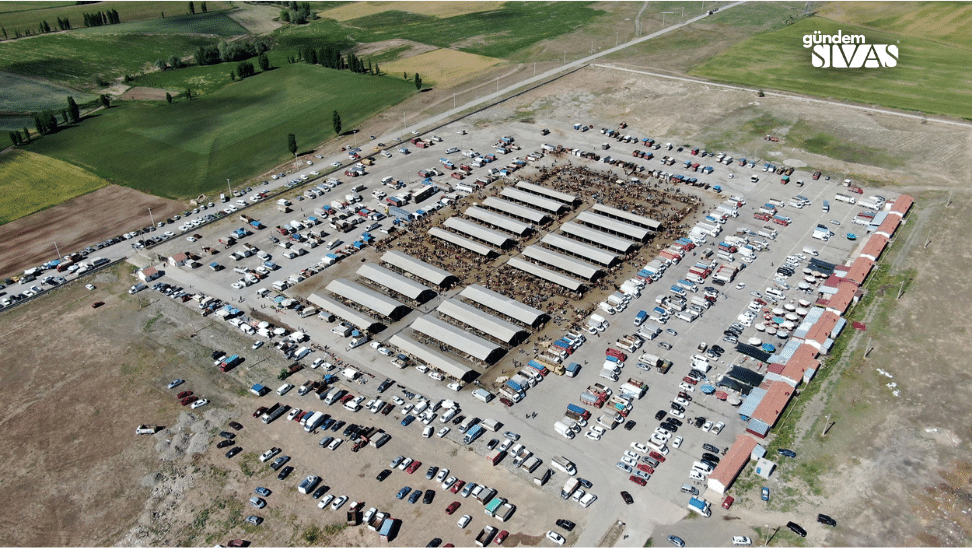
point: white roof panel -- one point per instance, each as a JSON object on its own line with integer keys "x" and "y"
{"x": 422, "y": 269}
{"x": 568, "y": 199}
{"x": 479, "y": 232}
{"x": 497, "y": 220}
{"x": 581, "y": 249}
{"x": 396, "y": 282}
{"x": 539, "y": 202}
{"x": 463, "y": 341}
{"x": 431, "y": 356}
{"x": 515, "y": 210}
{"x": 627, "y": 217}
{"x": 546, "y": 274}
{"x": 368, "y": 298}
{"x": 588, "y": 234}
{"x": 350, "y": 315}
{"x": 501, "y": 303}
{"x": 461, "y": 241}
{"x": 608, "y": 224}
{"x": 477, "y": 319}
{"x": 577, "y": 267}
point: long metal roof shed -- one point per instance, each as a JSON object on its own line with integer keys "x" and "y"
{"x": 577, "y": 267}
{"x": 432, "y": 357}
{"x": 580, "y": 249}
{"x": 497, "y": 220}
{"x": 533, "y": 200}
{"x": 450, "y": 335}
{"x": 368, "y": 298}
{"x": 516, "y": 210}
{"x": 461, "y": 241}
{"x": 350, "y": 315}
{"x": 608, "y": 224}
{"x": 479, "y": 232}
{"x": 568, "y": 199}
{"x": 546, "y": 274}
{"x": 627, "y": 217}
{"x": 588, "y": 234}
{"x": 487, "y": 323}
{"x": 422, "y": 269}
{"x": 396, "y": 282}
{"x": 504, "y": 305}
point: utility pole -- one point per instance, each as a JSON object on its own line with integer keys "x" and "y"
{"x": 56, "y": 249}
{"x": 152, "y": 217}
{"x": 900, "y": 290}
{"x": 230, "y": 189}
{"x": 453, "y": 101}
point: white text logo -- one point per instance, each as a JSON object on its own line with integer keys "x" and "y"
{"x": 848, "y": 51}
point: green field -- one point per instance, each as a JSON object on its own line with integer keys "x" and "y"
{"x": 30, "y": 182}
{"x": 24, "y": 94}
{"x": 192, "y": 147}
{"x": 72, "y": 59}
{"x": 929, "y": 77}
{"x": 28, "y": 15}
{"x": 217, "y": 23}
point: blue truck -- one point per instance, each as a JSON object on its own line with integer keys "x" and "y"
{"x": 572, "y": 369}
{"x": 641, "y": 317}
{"x": 472, "y": 434}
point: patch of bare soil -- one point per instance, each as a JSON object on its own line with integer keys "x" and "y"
{"x": 139, "y": 93}
{"x": 77, "y": 223}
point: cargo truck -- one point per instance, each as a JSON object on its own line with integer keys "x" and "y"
{"x": 700, "y": 507}
{"x": 569, "y": 487}
{"x": 577, "y": 412}
{"x": 485, "y": 536}
{"x": 564, "y": 465}
{"x": 472, "y": 434}
{"x": 495, "y": 456}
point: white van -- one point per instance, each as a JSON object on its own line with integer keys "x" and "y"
{"x": 810, "y": 251}
{"x": 775, "y": 293}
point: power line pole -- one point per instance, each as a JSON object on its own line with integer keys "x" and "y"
{"x": 152, "y": 217}
{"x": 56, "y": 249}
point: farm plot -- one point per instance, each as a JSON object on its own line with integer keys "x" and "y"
{"x": 216, "y": 23}
{"x": 435, "y": 9}
{"x": 442, "y": 67}
{"x": 74, "y": 59}
{"x": 929, "y": 76}
{"x": 27, "y": 15}
{"x": 26, "y": 94}
{"x": 30, "y": 182}
{"x": 191, "y": 147}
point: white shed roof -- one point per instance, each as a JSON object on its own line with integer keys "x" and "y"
{"x": 546, "y": 274}
{"x": 538, "y": 202}
{"x": 368, "y": 298}
{"x": 588, "y": 234}
{"x": 577, "y": 267}
{"x": 501, "y": 303}
{"x": 608, "y": 224}
{"x": 461, "y": 241}
{"x": 422, "y": 269}
{"x": 581, "y": 249}
{"x": 463, "y": 341}
{"x": 497, "y": 220}
{"x": 627, "y": 217}
{"x": 430, "y": 356}
{"x": 350, "y": 315}
{"x": 568, "y": 199}
{"x": 479, "y": 232}
{"x": 515, "y": 210}
{"x": 396, "y": 282}
{"x": 477, "y": 319}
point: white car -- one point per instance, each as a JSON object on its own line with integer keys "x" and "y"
{"x": 398, "y": 401}
{"x": 686, "y": 387}
{"x": 657, "y": 440}
{"x": 339, "y": 502}
{"x": 199, "y": 403}
{"x": 682, "y": 401}
{"x": 293, "y": 413}
{"x": 464, "y": 521}
{"x": 676, "y": 413}
{"x": 707, "y": 426}
{"x": 404, "y": 464}
{"x": 406, "y": 408}
{"x": 443, "y": 472}
{"x": 587, "y": 500}
{"x": 696, "y": 475}
{"x": 89, "y": 287}
{"x": 256, "y": 345}
{"x": 554, "y": 537}
{"x": 427, "y": 432}
{"x": 677, "y": 442}
{"x": 592, "y": 435}
{"x": 336, "y": 164}
{"x": 718, "y": 427}
{"x": 448, "y": 482}
{"x": 663, "y": 433}
{"x": 325, "y": 501}
{"x": 578, "y": 494}
{"x": 335, "y": 444}
{"x": 631, "y": 454}
{"x": 629, "y": 461}
{"x": 641, "y": 448}
{"x": 741, "y": 541}
{"x": 443, "y": 431}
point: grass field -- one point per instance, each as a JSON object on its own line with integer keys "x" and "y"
{"x": 442, "y": 67}
{"x": 217, "y": 23}
{"x": 24, "y": 94}
{"x": 73, "y": 59}
{"x": 496, "y": 33}
{"x": 191, "y": 147}
{"x": 31, "y": 182}
{"x": 435, "y": 9}
{"x": 949, "y": 22}
{"x": 929, "y": 76}
{"x": 28, "y": 15}
{"x": 201, "y": 80}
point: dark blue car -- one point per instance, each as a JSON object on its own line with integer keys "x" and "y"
{"x": 408, "y": 420}
{"x": 415, "y": 496}
{"x": 401, "y": 494}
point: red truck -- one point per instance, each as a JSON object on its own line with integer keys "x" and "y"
{"x": 457, "y": 175}
{"x": 761, "y": 216}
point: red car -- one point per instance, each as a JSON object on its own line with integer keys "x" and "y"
{"x": 645, "y": 468}
{"x": 97, "y": 304}
{"x": 657, "y": 456}
{"x": 414, "y": 466}
{"x": 387, "y": 409}
{"x": 690, "y": 380}
{"x": 300, "y": 415}
{"x": 728, "y": 502}
{"x": 453, "y": 507}
{"x": 187, "y": 401}
{"x": 184, "y": 394}
{"x": 507, "y": 402}
{"x": 347, "y": 398}
{"x": 457, "y": 486}
{"x": 639, "y": 481}
{"x": 259, "y": 411}
{"x": 502, "y": 536}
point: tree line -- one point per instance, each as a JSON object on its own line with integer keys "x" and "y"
{"x": 297, "y": 14}
{"x": 46, "y": 123}
{"x": 331, "y": 57}
{"x": 224, "y": 51}
{"x": 95, "y": 19}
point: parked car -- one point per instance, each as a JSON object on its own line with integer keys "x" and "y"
{"x": 626, "y": 496}
{"x": 796, "y": 529}
{"x": 826, "y": 520}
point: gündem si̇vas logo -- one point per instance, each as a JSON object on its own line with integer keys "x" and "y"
{"x": 848, "y": 51}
